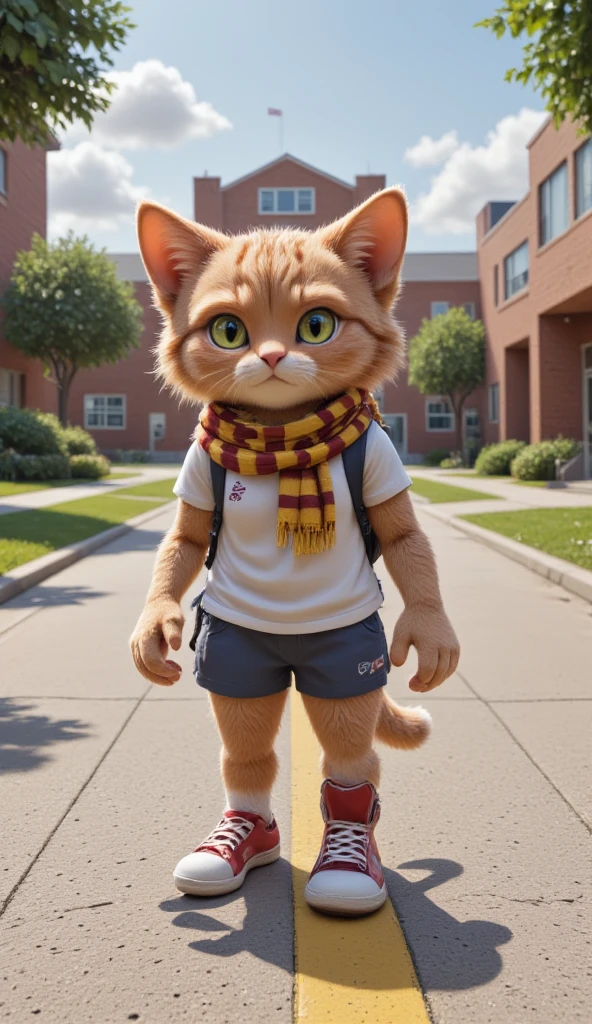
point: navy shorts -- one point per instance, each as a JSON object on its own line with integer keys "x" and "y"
{"x": 234, "y": 661}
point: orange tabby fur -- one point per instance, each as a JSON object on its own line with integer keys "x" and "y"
{"x": 269, "y": 279}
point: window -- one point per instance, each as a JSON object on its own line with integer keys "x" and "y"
{"x": 439, "y": 415}
{"x": 286, "y": 200}
{"x": 439, "y": 307}
{"x": 471, "y": 419}
{"x": 516, "y": 271}
{"x": 11, "y": 389}
{"x": 553, "y": 205}
{"x": 496, "y": 285}
{"x": 469, "y": 307}
{"x": 104, "y": 412}
{"x": 2, "y": 172}
{"x": 493, "y": 403}
{"x": 584, "y": 178}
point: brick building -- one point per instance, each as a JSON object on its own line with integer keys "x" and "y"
{"x": 535, "y": 266}
{"x": 122, "y": 404}
{"x": 23, "y": 212}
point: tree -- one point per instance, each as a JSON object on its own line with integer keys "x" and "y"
{"x": 53, "y": 55}
{"x": 66, "y": 307}
{"x": 447, "y": 357}
{"x": 558, "y": 59}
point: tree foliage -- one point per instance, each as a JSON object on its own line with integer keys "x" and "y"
{"x": 447, "y": 357}
{"x": 558, "y": 58}
{"x": 53, "y": 56}
{"x": 66, "y": 306}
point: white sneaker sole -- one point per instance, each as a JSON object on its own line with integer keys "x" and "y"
{"x": 345, "y": 906}
{"x": 195, "y": 887}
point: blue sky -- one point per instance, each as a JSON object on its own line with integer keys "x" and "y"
{"x": 359, "y": 84}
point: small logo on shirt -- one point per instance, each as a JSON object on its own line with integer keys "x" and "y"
{"x": 237, "y": 491}
{"x": 370, "y": 667}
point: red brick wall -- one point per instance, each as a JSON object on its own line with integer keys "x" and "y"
{"x": 134, "y": 377}
{"x": 560, "y": 282}
{"x": 23, "y": 212}
{"x": 415, "y": 304}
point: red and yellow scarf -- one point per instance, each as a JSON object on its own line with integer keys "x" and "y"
{"x": 300, "y": 452}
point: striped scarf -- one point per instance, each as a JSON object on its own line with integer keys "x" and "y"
{"x": 300, "y": 452}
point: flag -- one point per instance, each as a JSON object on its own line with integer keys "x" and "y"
{"x": 274, "y": 112}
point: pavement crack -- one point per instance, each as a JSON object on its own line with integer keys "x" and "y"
{"x": 72, "y": 804}
{"x": 587, "y": 825}
{"x": 89, "y": 906}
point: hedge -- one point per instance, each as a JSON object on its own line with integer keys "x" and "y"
{"x": 29, "y": 433}
{"x": 14, "y": 466}
{"x": 79, "y": 441}
{"x": 537, "y": 462}
{"x": 496, "y": 459}
{"x": 89, "y": 467}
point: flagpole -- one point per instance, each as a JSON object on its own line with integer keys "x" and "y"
{"x": 281, "y": 120}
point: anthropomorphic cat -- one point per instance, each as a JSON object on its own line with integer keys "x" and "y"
{"x": 283, "y": 335}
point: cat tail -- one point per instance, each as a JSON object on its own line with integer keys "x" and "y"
{"x": 405, "y": 728}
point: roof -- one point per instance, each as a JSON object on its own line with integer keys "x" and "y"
{"x": 294, "y": 160}
{"x": 418, "y": 266}
{"x": 440, "y": 266}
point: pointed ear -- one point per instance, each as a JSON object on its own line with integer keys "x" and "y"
{"x": 372, "y": 237}
{"x": 173, "y": 249}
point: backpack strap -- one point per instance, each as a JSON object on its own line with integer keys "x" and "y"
{"x": 218, "y": 474}
{"x": 353, "y": 462}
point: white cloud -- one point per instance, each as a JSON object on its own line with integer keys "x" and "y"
{"x": 473, "y": 175}
{"x": 90, "y": 188}
{"x": 428, "y": 151}
{"x": 152, "y": 106}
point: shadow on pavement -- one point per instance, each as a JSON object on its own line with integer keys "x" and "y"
{"x": 448, "y": 954}
{"x": 46, "y": 596}
{"x": 24, "y": 735}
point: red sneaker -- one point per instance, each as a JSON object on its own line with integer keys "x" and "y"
{"x": 347, "y": 878}
{"x": 239, "y": 842}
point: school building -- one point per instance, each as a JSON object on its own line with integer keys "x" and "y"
{"x": 530, "y": 280}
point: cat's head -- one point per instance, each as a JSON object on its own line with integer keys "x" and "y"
{"x": 277, "y": 318}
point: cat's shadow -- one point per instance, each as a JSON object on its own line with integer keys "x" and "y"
{"x": 448, "y": 954}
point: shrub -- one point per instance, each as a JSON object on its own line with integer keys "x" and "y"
{"x": 79, "y": 441}
{"x": 89, "y": 467}
{"x": 29, "y": 433}
{"x": 454, "y": 462}
{"x": 537, "y": 461}
{"x": 53, "y": 423}
{"x": 14, "y": 466}
{"x": 496, "y": 459}
{"x": 434, "y": 458}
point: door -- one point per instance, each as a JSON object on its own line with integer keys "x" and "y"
{"x": 397, "y": 424}
{"x": 588, "y": 411}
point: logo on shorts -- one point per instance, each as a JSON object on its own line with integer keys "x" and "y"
{"x": 370, "y": 667}
{"x": 237, "y": 491}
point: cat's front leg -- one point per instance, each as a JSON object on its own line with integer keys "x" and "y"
{"x": 179, "y": 560}
{"x": 423, "y": 624}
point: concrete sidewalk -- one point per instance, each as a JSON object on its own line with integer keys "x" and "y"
{"x": 60, "y": 495}
{"x": 485, "y": 833}
{"x": 516, "y": 496}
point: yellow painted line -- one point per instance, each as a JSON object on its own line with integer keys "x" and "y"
{"x": 348, "y": 971}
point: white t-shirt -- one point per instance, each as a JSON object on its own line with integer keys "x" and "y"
{"x": 255, "y": 583}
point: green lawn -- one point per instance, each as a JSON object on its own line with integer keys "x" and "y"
{"x": 508, "y": 479}
{"x": 36, "y": 532}
{"x": 566, "y": 533}
{"x": 153, "y": 489}
{"x": 439, "y": 493}
{"x": 8, "y": 489}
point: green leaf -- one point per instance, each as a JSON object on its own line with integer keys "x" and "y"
{"x": 28, "y": 56}
{"x": 11, "y": 47}
{"x": 16, "y": 23}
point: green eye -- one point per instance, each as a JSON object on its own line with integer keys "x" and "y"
{"x": 228, "y": 332}
{"x": 317, "y": 326}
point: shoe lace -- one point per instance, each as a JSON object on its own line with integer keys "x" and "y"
{"x": 346, "y": 841}
{"x": 229, "y": 832}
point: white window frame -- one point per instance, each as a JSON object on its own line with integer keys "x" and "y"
{"x": 439, "y": 303}
{"x": 580, "y": 155}
{"x": 287, "y": 213}
{"x": 545, "y": 189}
{"x": 3, "y": 174}
{"x": 509, "y": 278}
{"x": 469, "y": 308}
{"x": 105, "y": 425}
{"x": 471, "y": 412}
{"x": 490, "y": 402}
{"x": 438, "y": 399}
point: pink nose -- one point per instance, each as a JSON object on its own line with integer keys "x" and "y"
{"x": 271, "y": 356}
